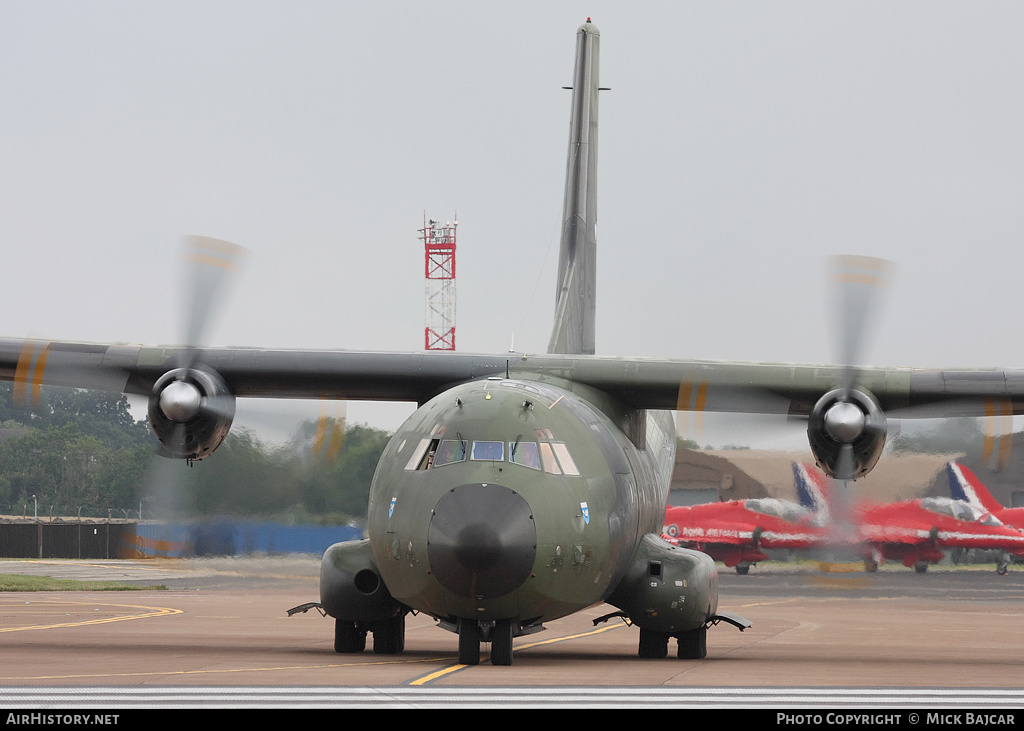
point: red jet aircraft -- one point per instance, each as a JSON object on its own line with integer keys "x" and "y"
{"x": 738, "y": 532}
{"x": 917, "y": 532}
{"x": 964, "y": 485}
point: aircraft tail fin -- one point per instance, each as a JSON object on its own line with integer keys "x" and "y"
{"x": 813, "y": 490}
{"x": 573, "y": 331}
{"x": 965, "y": 485}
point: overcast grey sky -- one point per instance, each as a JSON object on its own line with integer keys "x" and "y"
{"x": 740, "y": 145}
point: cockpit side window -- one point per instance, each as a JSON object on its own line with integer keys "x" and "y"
{"x": 449, "y": 451}
{"x": 422, "y": 457}
{"x": 565, "y": 459}
{"x": 547, "y": 458}
{"x": 524, "y": 453}
{"x": 556, "y": 460}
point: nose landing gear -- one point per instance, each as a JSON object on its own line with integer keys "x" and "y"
{"x": 499, "y": 633}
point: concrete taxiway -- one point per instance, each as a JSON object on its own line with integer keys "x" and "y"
{"x": 223, "y": 622}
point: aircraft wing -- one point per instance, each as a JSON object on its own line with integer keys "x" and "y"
{"x": 197, "y": 388}
{"x": 247, "y": 372}
{"x": 787, "y": 388}
{"x": 637, "y": 383}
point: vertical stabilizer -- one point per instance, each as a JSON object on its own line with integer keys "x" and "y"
{"x": 965, "y": 485}
{"x": 814, "y": 493}
{"x": 575, "y": 302}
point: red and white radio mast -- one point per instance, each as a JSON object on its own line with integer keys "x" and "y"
{"x": 439, "y": 248}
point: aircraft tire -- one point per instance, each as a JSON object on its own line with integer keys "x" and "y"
{"x": 501, "y": 642}
{"x": 1002, "y": 569}
{"x": 921, "y": 567}
{"x": 389, "y": 636}
{"x": 653, "y": 644}
{"x": 469, "y": 643}
{"x": 348, "y": 638}
{"x": 693, "y": 645}
{"x": 742, "y": 569}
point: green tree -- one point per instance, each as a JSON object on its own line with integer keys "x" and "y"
{"x": 342, "y": 486}
{"x": 120, "y": 476}
{"x": 100, "y": 414}
{"x": 81, "y": 450}
{"x": 243, "y": 477}
{"x": 56, "y": 464}
{"x": 685, "y": 444}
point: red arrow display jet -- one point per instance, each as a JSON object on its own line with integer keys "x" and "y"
{"x": 738, "y": 532}
{"x": 917, "y": 532}
{"x": 965, "y": 486}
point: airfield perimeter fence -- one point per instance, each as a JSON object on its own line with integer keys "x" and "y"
{"x": 107, "y": 539}
{"x": 65, "y": 539}
{"x": 111, "y": 539}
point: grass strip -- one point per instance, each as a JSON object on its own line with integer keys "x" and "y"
{"x": 17, "y": 582}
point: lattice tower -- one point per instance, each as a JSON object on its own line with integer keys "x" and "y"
{"x": 439, "y": 251}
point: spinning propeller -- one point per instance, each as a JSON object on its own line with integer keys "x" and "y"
{"x": 846, "y": 427}
{"x": 848, "y": 417}
{"x": 189, "y": 406}
{"x": 191, "y": 409}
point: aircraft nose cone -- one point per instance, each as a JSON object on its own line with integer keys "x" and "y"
{"x": 482, "y": 540}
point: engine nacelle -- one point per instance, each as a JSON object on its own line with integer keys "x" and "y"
{"x": 846, "y": 431}
{"x": 351, "y": 589}
{"x": 668, "y": 589}
{"x": 191, "y": 411}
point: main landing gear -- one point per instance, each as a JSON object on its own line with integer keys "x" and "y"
{"x": 693, "y": 644}
{"x": 388, "y": 636}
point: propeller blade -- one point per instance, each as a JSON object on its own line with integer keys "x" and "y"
{"x": 207, "y": 266}
{"x": 209, "y": 263}
{"x": 857, "y": 283}
{"x": 221, "y": 406}
{"x": 165, "y": 481}
{"x": 845, "y": 466}
{"x": 836, "y": 515}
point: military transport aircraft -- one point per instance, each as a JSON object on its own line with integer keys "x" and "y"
{"x": 524, "y": 487}
{"x": 914, "y": 532}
